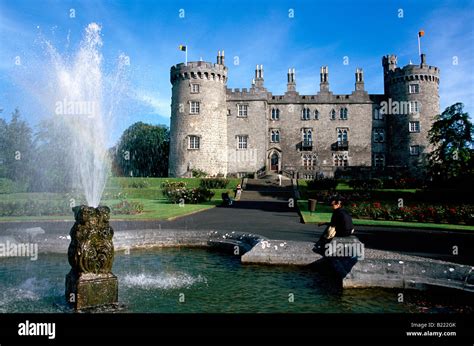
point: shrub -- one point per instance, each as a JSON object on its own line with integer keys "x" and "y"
{"x": 187, "y": 195}
{"x": 139, "y": 184}
{"x": 365, "y": 184}
{"x": 128, "y": 208}
{"x": 10, "y": 186}
{"x": 135, "y": 183}
{"x": 418, "y": 213}
{"x": 6, "y": 185}
{"x": 214, "y": 183}
{"x": 322, "y": 183}
{"x": 31, "y": 207}
{"x": 198, "y": 173}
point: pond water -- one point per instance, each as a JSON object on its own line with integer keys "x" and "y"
{"x": 182, "y": 280}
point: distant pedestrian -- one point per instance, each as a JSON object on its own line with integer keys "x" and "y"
{"x": 279, "y": 179}
{"x": 238, "y": 192}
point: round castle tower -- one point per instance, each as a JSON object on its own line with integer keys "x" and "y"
{"x": 198, "y": 138}
{"x": 412, "y": 104}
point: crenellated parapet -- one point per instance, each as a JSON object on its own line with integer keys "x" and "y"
{"x": 411, "y": 72}
{"x": 199, "y": 70}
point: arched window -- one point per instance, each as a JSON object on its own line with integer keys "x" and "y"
{"x": 342, "y": 135}
{"x": 275, "y": 136}
{"x": 308, "y": 136}
{"x": 275, "y": 114}
{"x": 306, "y": 114}
{"x": 316, "y": 114}
{"x": 332, "y": 115}
{"x": 343, "y": 114}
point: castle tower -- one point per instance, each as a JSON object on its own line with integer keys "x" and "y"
{"x": 198, "y": 138}
{"x": 412, "y": 103}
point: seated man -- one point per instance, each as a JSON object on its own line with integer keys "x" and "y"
{"x": 340, "y": 225}
{"x": 226, "y": 200}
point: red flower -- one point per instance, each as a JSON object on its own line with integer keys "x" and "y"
{"x": 377, "y": 205}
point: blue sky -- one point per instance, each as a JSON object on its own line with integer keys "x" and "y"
{"x": 257, "y": 32}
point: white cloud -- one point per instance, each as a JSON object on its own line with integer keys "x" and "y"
{"x": 159, "y": 105}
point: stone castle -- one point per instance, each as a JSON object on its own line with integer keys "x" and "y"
{"x": 236, "y": 132}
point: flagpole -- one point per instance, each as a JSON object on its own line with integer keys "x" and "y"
{"x": 419, "y": 45}
{"x": 186, "y": 55}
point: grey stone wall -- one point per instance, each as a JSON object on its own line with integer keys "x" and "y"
{"x": 219, "y": 124}
{"x": 210, "y": 124}
{"x": 400, "y": 138}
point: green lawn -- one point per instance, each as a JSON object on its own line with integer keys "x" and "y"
{"x": 156, "y": 207}
{"x": 323, "y": 214}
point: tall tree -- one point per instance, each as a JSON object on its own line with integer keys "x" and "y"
{"x": 451, "y": 136}
{"x": 143, "y": 151}
{"x": 53, "y": 156}
{"x": 16, "y": 149}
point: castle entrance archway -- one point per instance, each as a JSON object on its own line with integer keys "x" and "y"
{"x": 274, "y": 161}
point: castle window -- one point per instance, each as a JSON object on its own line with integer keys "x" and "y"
{"x": 275, "y": 114}
{"x": 229, "y": 112}
{"x": 242, "y": 111}
{"x": 414, "y": 126}
{"x": 305, "y": 114}
{"x": 379, "y": 160}
{"x": 194, "y": 142}
{"x": 275, "y": 136}
{"x": 332, "y": 115}
{"x": 413, "y": 107}
{"x": 309, "y": 161}
{"x": 195, "y": 88}
{"x": 413, "y": 88}
{"x": 341, "y": 160}
{"x": 242, "y": 142}
{"x": 378, "y": 114}
{"x": 414, "y": 150}
{"x": 194, "y": 107}
{"x": 307, "y": 139}
{"x": 379, "y": 135}
{"x": 316, "y": 114}
{"x": 343, "y": 114}
{"x": 342, "y": 135}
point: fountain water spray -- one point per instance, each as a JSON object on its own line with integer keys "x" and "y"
{"x": 81, "y": 106}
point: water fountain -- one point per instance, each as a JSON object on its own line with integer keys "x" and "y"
{"x": 79, "y": 92}
{"x": 90, "y": 283}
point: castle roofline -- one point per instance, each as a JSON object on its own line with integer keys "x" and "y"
{"x": 198, "y": 64}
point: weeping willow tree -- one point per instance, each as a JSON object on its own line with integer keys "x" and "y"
{"x": 142, "y": 151}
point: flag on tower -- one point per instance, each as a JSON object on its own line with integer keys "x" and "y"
{"x": 421, "y": 33}
{"x": 184, "y": 48}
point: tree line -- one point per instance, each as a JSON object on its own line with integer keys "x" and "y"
{"x": 40, "y": 159}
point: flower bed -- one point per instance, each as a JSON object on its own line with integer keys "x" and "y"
{"x": 420, "y": 213}
{"x": 177, "y": 192}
